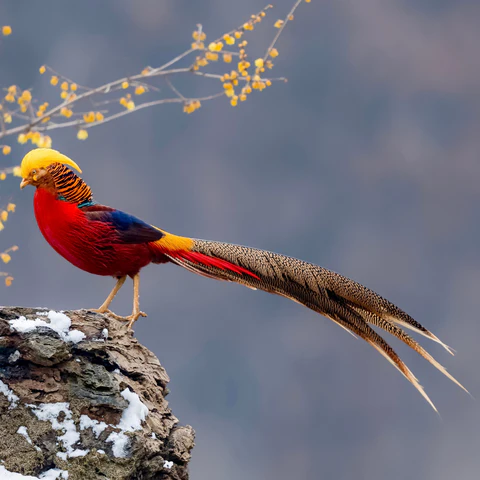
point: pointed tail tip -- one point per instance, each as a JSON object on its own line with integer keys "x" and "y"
{"x": 433, "y": 337}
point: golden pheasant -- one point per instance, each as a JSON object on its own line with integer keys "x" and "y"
{"x": 105, "y": 241}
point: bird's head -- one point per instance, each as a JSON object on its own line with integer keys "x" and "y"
{"x": 34, "y": 167}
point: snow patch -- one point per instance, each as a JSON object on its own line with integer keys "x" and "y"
{"x": 168, "y": 464}
{"x": 132, "y": 418}
{"x": 11, "y": 397}
{"x": 120, "y": 444}
{"x": 95, "y": 425}
{"x": 52, "y": 474}
{"x": 101, "y": 452}
{"x": 50, "y": 412}
{"x": 153, "y": 435}
{"x": 59, "y": 322}
{"x": 134, "y": 414}
{"x": 14, "y": 356}
{"x": 105, "y": 332}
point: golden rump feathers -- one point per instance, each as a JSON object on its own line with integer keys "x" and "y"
{"x": 43, "y": 157}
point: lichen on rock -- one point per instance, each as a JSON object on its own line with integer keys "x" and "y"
{"x": 79, "y": 394}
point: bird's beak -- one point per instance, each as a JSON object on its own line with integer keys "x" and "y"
{"x": 24, "y": 183}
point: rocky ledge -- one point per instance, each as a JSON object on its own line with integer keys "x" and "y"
{"x": 81, "y": 399}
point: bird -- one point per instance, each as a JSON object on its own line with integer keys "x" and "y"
{"x": 102, "y": 240}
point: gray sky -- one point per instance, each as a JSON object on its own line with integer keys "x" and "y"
{"x": 365, "y": 162}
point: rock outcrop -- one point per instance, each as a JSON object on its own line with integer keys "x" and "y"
{"x": 81, "y": 399}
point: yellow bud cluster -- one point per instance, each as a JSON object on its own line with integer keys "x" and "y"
{"x": 199, "y": 36}
{"x": 229, "y": 40}
{"x": 41, "y": 109}
{"x": 127, "y": 102}
{"x": 190, "y": 107}
{"x": 66, "y": 112}
{"x": 89, "y": 117}
{"x": 198, "y": 45}
{"x": 215, "y": 46}
{"x": 36, "y": 138}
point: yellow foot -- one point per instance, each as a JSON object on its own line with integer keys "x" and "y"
{"x": 133, "y": 318}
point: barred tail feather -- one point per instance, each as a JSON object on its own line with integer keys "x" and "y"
{"x": 349, "y": 304}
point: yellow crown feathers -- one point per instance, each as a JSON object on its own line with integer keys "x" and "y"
{"x": 43, "y": 157}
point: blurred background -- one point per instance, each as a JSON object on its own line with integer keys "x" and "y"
{"x": 366, "y": 162}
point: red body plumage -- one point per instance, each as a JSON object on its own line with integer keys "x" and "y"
{"x": 89, "y": 245}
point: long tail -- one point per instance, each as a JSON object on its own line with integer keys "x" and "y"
{"x": 347, "y": 303}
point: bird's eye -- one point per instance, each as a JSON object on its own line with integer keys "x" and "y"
{"x": 34, "y": 172}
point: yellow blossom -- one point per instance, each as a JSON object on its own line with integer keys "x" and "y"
{"x": 190, "y": 107}
{"x": 82, "y": 134}
{"x": 198, "y": 45}
{"x": 89, "y": 117}
{"x": 268, "y": 83}
{"x": 17, "y": 172}
{"x": 5, "y": 257}
{"x": 99, "y": 116}
{"x": 8, "y": 280}
{"x": 278, "y": 23}
{"x": 242, "y": 97}
{"x": 66, "y": 112}
{"x": 3, "y": 175}
{"x": 26, "y": 96}
{"x": 215, "y": 46}
{"x": 73, "y": 87}
{"x": 202, "y": 61}
{"x": 130, "y": 105}
{"x": 248, "y": 26}
{"x": 54, "y": 80}
{"x": 124, "y": 85}
{"x": 42, "y": 69}
{"x": 273, "y": 53}
{"x": 6, "y": 30}
{"x": 10, "y": 97}
{"x": 22, "y": 138}
{"x": 63, "y": 95}
{"x": 7, "y": 118}
{"x": 11, "y": 207}
{"x": 139, "y": 90}
{"x": 227, "y": 57}
{"x": 64, "y": 86}
{"x": 229, "y": 40}
{"x": 259, "y": 62}
{"x": 6, "y": 149}
{"x": 211, "y": 56}
{"x": 238, "y": 34}
{"x": 234, "y": 101}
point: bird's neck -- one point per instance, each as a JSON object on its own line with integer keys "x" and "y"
{"x": 67, "y": 186}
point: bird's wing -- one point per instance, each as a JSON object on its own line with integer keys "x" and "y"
{"x": 348, "y": 303}
{"x": 127, "y": 228}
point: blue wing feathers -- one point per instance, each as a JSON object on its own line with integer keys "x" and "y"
{"x": 128, "y": 228}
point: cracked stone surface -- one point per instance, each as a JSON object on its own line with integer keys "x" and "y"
{"x": 39, "y": 367}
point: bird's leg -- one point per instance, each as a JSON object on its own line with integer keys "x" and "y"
{"x": 136, "y": 302}
{"x": 104, "y": 307}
